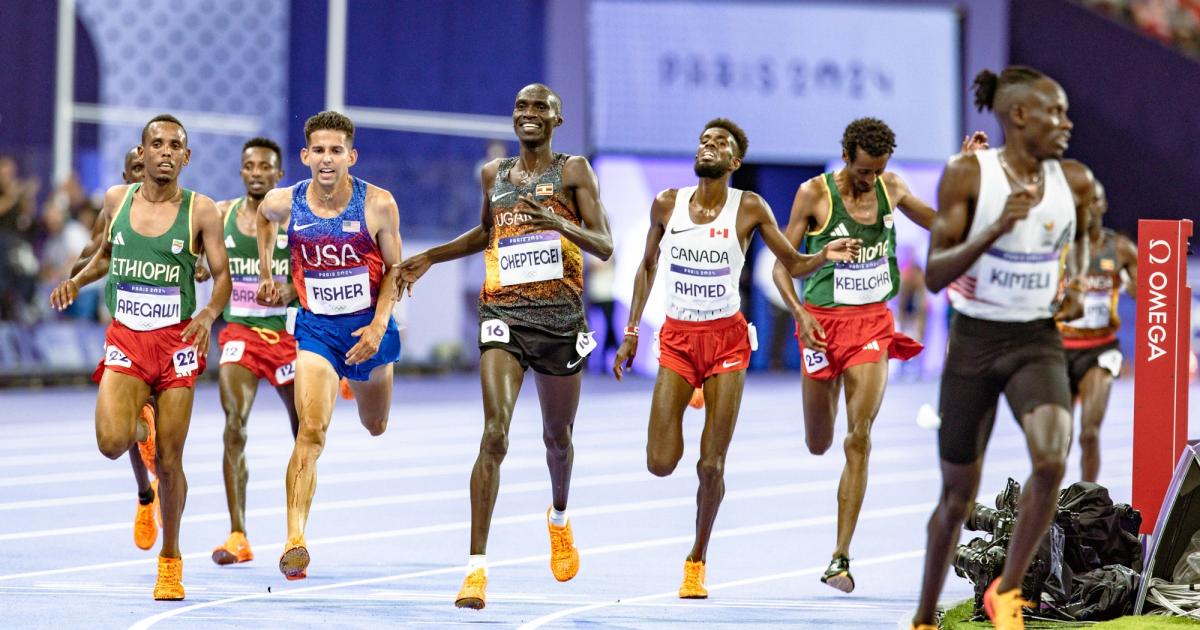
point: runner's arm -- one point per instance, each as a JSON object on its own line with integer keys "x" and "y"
{"x": 911, "y": 205}
{"x": 643, "y": 281}
{"x": 96, "y": 266}
{"x": 950, "y": 254}
{"x": 1127, "y": 262}
{"x": 808, "y": 195}
{"x": 275, "y": 210}
{"x": 592, "y": 235}
{"x": 212, "y": 238}
{"x": 385, "y": 214}
{"x": 797, "y": 265}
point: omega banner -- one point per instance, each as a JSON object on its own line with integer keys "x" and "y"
{"x": 1160, "y": 406}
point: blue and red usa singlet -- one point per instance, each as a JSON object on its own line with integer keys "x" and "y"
{"x": 336, "y": 265}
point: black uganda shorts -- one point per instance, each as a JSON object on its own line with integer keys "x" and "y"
{"x": 546, "y": 353}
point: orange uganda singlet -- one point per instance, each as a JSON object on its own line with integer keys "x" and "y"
{"x": 534, "y": 279}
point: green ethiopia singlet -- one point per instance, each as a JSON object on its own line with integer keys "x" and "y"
{"x": 243, "y": 269}
{"x": 874, "y": 277}
{"x": 151, "y": 280}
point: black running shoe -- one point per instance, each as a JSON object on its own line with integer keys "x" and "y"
{"x": 838, "y": 574}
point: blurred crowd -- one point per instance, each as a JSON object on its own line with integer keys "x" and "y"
{"x": 38, "y": 246}
{"x": 1173, "y": 22}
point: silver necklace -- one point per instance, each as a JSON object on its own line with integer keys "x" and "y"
{"x": 527, "y": 177}
{"x": 1033, "y": 182}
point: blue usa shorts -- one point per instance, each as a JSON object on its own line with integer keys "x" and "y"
{"x": 329, "y": 336}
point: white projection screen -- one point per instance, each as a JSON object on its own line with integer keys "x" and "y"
{"x": 793, "y": 74}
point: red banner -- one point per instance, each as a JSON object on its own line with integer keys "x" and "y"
{"x": 1160, "y": 406}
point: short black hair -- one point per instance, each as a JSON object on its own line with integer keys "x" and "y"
{"x": 988, "y": 84}
{"x": 332, "y": 121}
{"x": 164, "y": 118}
{"x": 869, "y": 134}
{"x": 265, "y": 143}
{"x": 734, "y": 129}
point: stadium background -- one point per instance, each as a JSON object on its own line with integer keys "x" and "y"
{"x": 430, "y": 85}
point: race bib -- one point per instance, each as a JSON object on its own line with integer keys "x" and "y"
{"x": 339, "y": 291}
{"x": 186, "y": 361}
{"x": 752, "y": 335}
{"x": 232, "y": 351}
{"x": 242, "y": 302}
{"x": 144, "y": 307}
{"x": 1097, "y": 311}
{"x": 814, "y": 361}
{"x": 114, "y": 356}
{"x": 584, "y": 343}
{"x": 493, "y": 331}
{"x": 530, "y": 258}
{"x": 1016, "y": 279}
{"x": 709, "y": 289}
{"x": 285, "y": 373}
{"x": 862, "y": 283}
{"x": 1111, "y": 360}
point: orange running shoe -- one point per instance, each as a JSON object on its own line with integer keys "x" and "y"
{"x": 471, "y": 595}
{"x": 693, "y": 581}
{"x": 146, "y": 447}
{"x": 145, "y": 529}
{"x": 697, "y": 401}
{"x": 345, "y": 391}
{"x": 236, "y": 549}
{"x": 170, "y": 579}
{"x": 564, "y": 557}
{"x": 293, "y": 564}
{"x": 1004, "y": 609}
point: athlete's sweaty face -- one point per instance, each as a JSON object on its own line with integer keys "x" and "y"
{"x": 864, "y": 169}
{"x": 329, "y": 155}
{"x": 717, "y": 154}
{"x": 535, "y": 114}
{"x": 260, "y": 171}
{"x": 164, "y": 151}
{"x": 1047, "y": 128}
{"x": 135, "y": 170}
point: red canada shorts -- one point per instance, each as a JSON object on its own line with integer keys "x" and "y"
{"x": 698, "y": 350}
{"x": 160, "y": 358}
{"x": 269, "y": 354}
{"x": 854, "y": 335}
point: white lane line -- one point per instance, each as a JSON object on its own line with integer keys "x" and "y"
{"x": 751, "y": 530}
{"x": 641, "y": 599}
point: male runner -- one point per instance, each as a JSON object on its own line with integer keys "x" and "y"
{"x": 155, "y": 230}
{"x": 1092, "y": 352}
{"x": 344, "y": 236}
{"x": 702, "y": 233}
{"x": 141, "y": 454}
{"x": 541, "y": 211}
{"x": 254, "y": 344}
{"x": 845, "y": 329}
{"x": 1006, "y": 215}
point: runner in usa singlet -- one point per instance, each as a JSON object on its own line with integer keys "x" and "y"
{"x": 335, "y": 264}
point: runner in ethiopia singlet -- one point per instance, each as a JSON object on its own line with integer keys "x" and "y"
{"x": 255, "y": 336}
{"x": 151, "y": 288}
{"x": 531, "y": 302}
{"x": 705, "y": 332}
{"x": 336, "y": 268}
{"x": 849, "y": 299}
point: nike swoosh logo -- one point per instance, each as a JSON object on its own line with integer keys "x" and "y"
{"x": 675, "y": 231}
{"x": 496, "y": 198}
{"x": 571, "y": 364}
{"x": 727, "y": 364}
{"x": 301, "y": 227}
